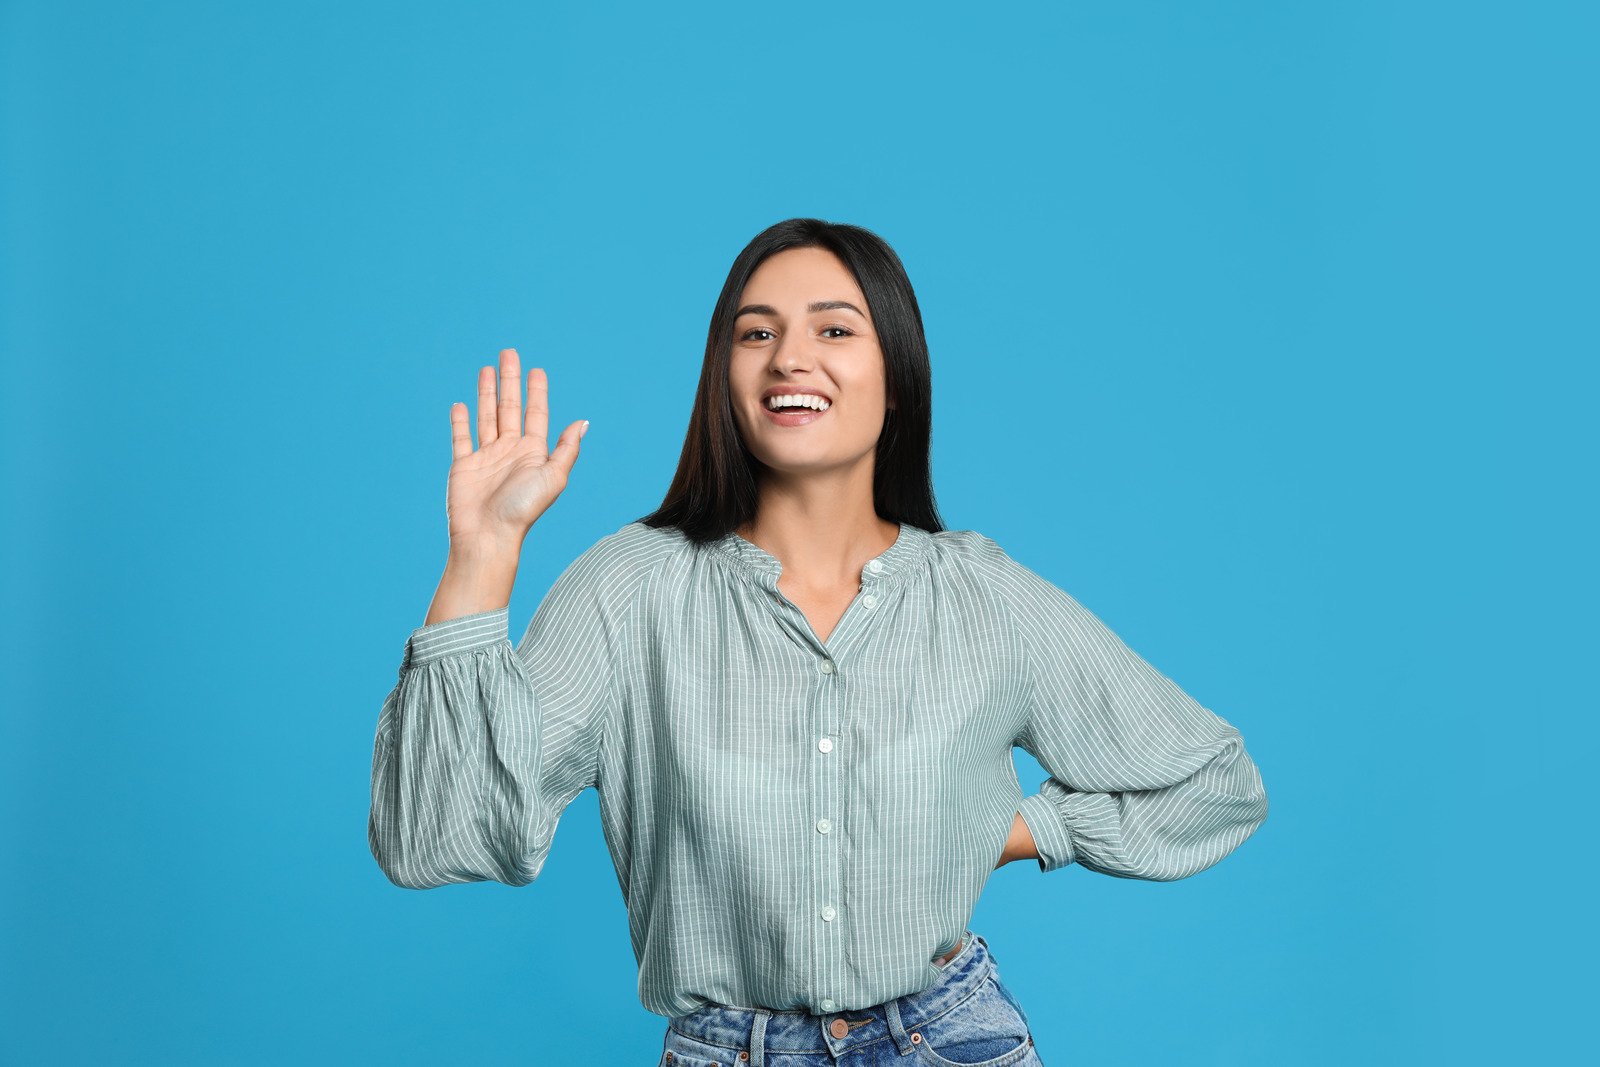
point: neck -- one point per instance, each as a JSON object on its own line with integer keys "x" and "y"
{"x": 821, "y": 531}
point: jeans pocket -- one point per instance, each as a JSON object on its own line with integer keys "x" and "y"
{"x": 985, "y": 1030}
{"x": 680, "y": 1051}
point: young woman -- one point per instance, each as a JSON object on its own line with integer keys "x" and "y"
{"x": 795, "y": 691}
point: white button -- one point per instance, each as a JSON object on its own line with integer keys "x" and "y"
{"x": 828, "y": 913}
{"x": 827, "y": 666}
{"x": 869, "y": 601}
{"x": 823, "y": 826}
{"x": 826, "y": 744}
{"x": 874, "y": 566}
{"x": 827, "y": 1004}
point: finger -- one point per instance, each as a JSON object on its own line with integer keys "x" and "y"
{"x": 486, "y": 418}
{"x": 510, "y": 409}
{"x": 539, "y": 407}
{"x": 460, "y": 436}
{"x": 566, "y": 450}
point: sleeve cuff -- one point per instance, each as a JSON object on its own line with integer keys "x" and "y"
{"x": 464, "y": 633}
{"x": 1049, "y": 832}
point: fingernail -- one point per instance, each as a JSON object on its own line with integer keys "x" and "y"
{"x": 585, "y": 428}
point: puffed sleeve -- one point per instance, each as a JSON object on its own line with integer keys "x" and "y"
{"x": 480, "y": 747}
{"x": 1144, "y": 781}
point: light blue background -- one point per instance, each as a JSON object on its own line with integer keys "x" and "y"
{"x": 1266, "y": 330}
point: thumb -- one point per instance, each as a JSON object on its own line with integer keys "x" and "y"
{"x": 565, "y": 454}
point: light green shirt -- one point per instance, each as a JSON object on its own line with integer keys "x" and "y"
{"x": 797, "y": 823}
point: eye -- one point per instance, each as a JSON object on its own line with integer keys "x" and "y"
{"x": 746, "y": 336}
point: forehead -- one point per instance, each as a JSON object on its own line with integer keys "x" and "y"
{"x": 799, "y": 275}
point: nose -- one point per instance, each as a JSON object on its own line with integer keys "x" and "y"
{"x": 792, "y": 351}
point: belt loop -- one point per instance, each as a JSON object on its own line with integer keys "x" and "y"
{"x": 758, "y": 1039}
{"x": 897, "y": 1030}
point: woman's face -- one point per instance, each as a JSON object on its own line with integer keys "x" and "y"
{"x": 782, "y": 344}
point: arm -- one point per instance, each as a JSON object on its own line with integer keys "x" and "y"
{"x": 1019, "y": 844}
{"x": 1144, "y": 781}
{"x": 480, "y": 747}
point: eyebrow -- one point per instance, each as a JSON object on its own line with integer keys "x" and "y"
{"x": 815, "y": 305}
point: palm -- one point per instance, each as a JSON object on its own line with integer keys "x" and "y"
{"x": 498, "y": 490}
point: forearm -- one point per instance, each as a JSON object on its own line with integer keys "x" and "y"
{"x": 474, "y": 581}
{"x": 1019, "y": 846}
{"x": 1157, "y": 832}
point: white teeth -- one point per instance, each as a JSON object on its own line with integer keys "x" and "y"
{"x": 809, "y": 400}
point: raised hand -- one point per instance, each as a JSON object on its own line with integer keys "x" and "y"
{"x": 497, "y": 491}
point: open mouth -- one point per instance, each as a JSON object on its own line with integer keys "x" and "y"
{"x": 797, "y": 402}
{"x": 795, "y": 410}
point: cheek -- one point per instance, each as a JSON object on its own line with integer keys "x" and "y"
{"x": 869, "y": 394}
{"x": 742, "y": 370}
{"x": 865, "y": 418}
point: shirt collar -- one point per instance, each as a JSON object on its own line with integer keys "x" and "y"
{"x": 891, "y": 565}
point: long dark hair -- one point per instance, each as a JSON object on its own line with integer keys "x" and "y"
{"x": 715, "y": 488}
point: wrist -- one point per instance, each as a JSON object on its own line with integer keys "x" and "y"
{"x": 487, "y": 551}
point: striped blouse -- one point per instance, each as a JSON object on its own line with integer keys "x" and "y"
{"x": 796, "y": 823}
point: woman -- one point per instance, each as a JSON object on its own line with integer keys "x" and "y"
{"x": 795, "y": 692}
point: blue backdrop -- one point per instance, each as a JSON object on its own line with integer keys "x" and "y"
{"x": 1266, "y": 330}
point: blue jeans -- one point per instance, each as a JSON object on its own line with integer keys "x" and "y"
{"x": 965, "y": 1019}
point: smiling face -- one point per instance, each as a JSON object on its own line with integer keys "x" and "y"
{"x": 804, "y": 327}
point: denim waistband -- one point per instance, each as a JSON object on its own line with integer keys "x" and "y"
{"x": 760, "y": 1030}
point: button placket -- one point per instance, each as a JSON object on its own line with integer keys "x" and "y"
{"x": 881, "y": 580}
{"x": 869, "y": 583}
{"x": 828, "y": 790}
